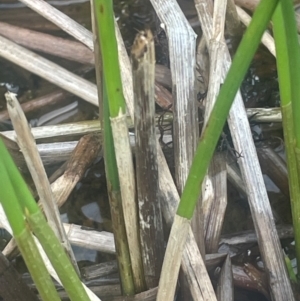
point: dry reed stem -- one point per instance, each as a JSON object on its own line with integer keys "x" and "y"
{"x": 150, "y": 218}
{"x": 37, "y": 171}
{"x": 127, "y": 186}
{"x": 182, "y": 45}
{"x": 172, "y": 260}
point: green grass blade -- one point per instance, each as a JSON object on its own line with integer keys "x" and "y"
{"x": 113, "y": 84}
{"x": 20, "y": 187}
{"x": 293, "y": 51}
{"x": 286, "y": 50}
{"x": 58, "y": 257}
{"x": 236, "y": 73}
{"x": 282, "y": 57}
{"x": 290, "y": 269}
{"x": 9, "y": 201}
{"x": 24, "y": 238}
{"x": 109, "y": 50}
{"x": 111, "y": 168}
{"x": 36, "y": 266}
{"x": 38, "y": 224}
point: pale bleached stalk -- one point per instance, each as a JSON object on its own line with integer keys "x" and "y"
{"x": 126, "y": 73}
{"x": 267, "y": 39}
{"x": 216, "y": 54}
{"x": 127, "y": 186}
{"x": 267, "y": 115}
{"x": 216, "y": 51}
{"x": 225, "y": 290}
{"x": 77, "y": 128}
{"x": 89, "y": 239}
{"x": 48, "y": 70}
{"x": 216, "y": 208}
{"x": 172, "y": 260}
{"x": 182, "y": 46}
{"x": 37, "y": 171}
{"x": 264, "y": 115}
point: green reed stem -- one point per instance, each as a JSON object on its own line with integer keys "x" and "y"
{"x": 23, "y": 200}
{"x": 57, "y": 256}
{"x": 23, "y": 236}
{"x": 288, "y": 57}
{"x": 109, "y": 51}
{"x": 117, "y": 114}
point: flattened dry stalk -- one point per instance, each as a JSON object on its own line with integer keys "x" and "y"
{"x": 214, "y": 215}
{"x": 38, "y": 173}
{"x": 264, "y": 114}
{"x": 225, "y": 283}
{"x": 126, "y": 73}
{"x": 248, "y": 277}
{"x": 216, "y": 54}
{"x": 250, "y": 5}
{"x": 100, "y": 270}
{"x": 195, "y": 271}
{"x": 91, "y": 239}
{"x": 151, "y": 231}
{"x": 182, "y": 45}
{"x": 127, "y": 185}
{"x": 168, "y": 280}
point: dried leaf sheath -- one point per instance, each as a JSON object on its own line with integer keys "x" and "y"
{"x": 127, "y": 185}
{"x": 143, "y": 60}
